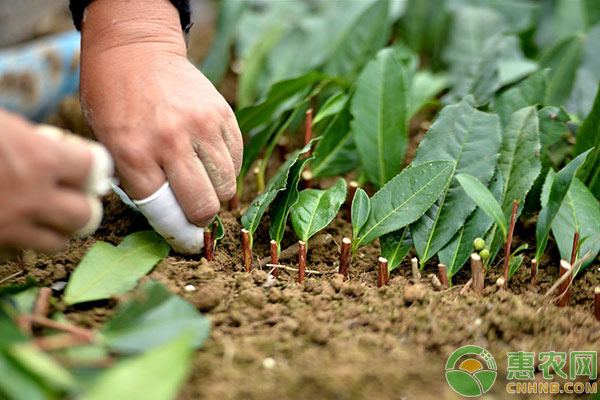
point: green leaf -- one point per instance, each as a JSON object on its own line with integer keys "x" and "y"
{"x": 457, "y": 252}
{"x": 558, "y": 191}
{"x": 379, "y": 107}
{"x": 18, "y": 384}
{"x": 277, "y": 183}
{"x": 42, "y": 366}
{"x": 155, "y": 375}
{"x": 359, "y": 41}
{"x": 220, "y": 233}
{"x": 588, "y": 136}
{"x": 107, "y": 270}
{"x": 216, "y": 62}
{"x": 519, "y": 165}
{"x": 280, "y": 209}
{"x": 395, "y": 246}
{"x": 404, "y": 199}
{"x": 424, "y": 26}
{"x": 425, "y": 86}
{"x": 470, "y": 139}
{"x": 361, "y": 207}
{"x": 484, "y": 199}
{"x": 519, "y": 162}
{"x": 316, "y": 208}
{"x": 514, "y": 264}
{"x": 335, "y": 154}
{"x": 282, "y": 96}
{"x": 332, "y": 106}
{"x": 582, "y": 98}
{"x": 152, "y": 318}
{"x": 257, "y": 142}
{"x": 563, "y": 59}
{"x": 579, "y": 212}
{"x": 254, "y": 65}
{"x": 530, "y": 92}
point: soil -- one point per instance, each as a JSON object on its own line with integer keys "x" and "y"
{"x": 328, "y": 338}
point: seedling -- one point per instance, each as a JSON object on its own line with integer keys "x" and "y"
{"x": 301, "y": 261}
{"x": 382, "y": 272}
{"x": 443, "y": 275}
{"x": 208, "y": 244}
{"x": 511, "y": 229}
{"x": 564, "y": 289}
{"x": 533, "y": 273}
{"x": 477, "y": 273}
{"x": 274, "y": 256}
{"x": 246, "y": 250}
{"x": 345, "y": 257}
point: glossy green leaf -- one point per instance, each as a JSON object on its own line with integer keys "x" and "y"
{"x": 277, "y": 183}
{"x": 359, "y": 41}
{"x": 404, "y": 199}
{"x": 152, "y": 318}
{"x": 107, "y": 270}
{"x": 484, "y": 199}
{"x": 470, "y": 139}
{"x": 519, "y": 165}
{"x": 395, "y": 246}
{"x": 257, "y": 142}
{"x": 216, "y": 62}
{"x": 316, "y": 208}
{"x": 332, "y": 106}
{"x": 335, "y": 154}
{"x": 361, "y": 207}
{"x": 588, "y": 136}
{"x": 557, "y": 193}
{"x": 155, "y": 375}
{"x": 283, "y": 203}
{"x": 563, "y": 59}
{"x": 379, "y": 107}
{"x": 457, "y": 252}
{"x": 519, "y": 162}
{"x": 579, "y": 212}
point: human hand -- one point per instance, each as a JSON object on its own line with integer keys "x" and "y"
{"x": 161, "y": 118}
{"x": 47, "y": 185}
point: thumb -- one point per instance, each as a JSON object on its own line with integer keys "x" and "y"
{"x": 166, "y": 216}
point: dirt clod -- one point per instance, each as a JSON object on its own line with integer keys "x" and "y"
{"x": 354, "y": 289}
{"x": 254, "y": 297}
{"x": 207, "y": 297}
{"x": 415, "y": 293}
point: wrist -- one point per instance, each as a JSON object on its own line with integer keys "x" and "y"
{"x": 112, "y": 26}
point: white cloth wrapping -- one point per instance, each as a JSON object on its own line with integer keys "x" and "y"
{"x": 164, "y": 214}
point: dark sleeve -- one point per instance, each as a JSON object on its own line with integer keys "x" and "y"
{"x": 183, "y": 6}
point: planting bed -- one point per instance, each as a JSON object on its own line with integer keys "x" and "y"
{"x": 330, "y": 339}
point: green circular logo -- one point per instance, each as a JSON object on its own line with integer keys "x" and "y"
{"x": 471, "y": 371}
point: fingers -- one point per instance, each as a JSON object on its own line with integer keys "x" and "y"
{"x": 193, "y": 188}
{"x": 37, "y": 237}
{"x": 219, "y": 166}
{"x": 232, "y": 136}
{"x": 66, "y": 210}
{"x": 82, "y": 163}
